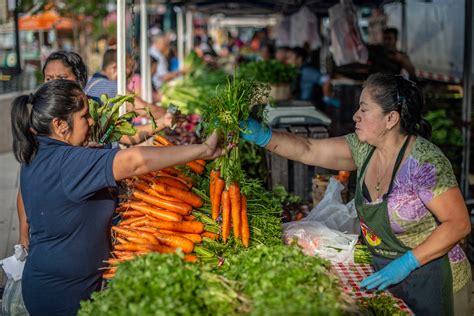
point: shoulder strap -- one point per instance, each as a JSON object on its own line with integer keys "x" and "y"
{"x": 92, "y": 85}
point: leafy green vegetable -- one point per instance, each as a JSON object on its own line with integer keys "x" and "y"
{"x": 380, "y": 305}
{"x": 280, "y": 280}
{"x": 277, "y": 280}
{"x": 157, "y": 284}
{"x": 272, "y": 71}
{"x": 108, "y": 126}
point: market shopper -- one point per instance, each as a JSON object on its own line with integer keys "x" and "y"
{"x": 66, "y": 190}
{"x": 105, "y": 82}
{"x": 411, "y": 210}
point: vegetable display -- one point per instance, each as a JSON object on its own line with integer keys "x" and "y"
{"x": 259, "y": 282}
{"x": 273, "y": 71}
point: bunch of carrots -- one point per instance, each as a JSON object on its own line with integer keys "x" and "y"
{"x": 157, "y": 217}
{"x": 231, "y": 105}
{"x": 229, "y": 202}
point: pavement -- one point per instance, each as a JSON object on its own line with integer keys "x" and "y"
{"x": 9, "y": 228}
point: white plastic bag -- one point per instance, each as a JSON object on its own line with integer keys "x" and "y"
{"x": 346, "y": 41}
{"x": 317, "y": 239}
{"x": 333, "y": 213}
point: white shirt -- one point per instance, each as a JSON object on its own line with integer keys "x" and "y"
{"x": 161, "y": 68}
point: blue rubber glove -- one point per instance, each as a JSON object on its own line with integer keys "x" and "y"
{"x": 331, "y": 101}
{"x": 393, "y": 273}
{"x": 254, "y": 132}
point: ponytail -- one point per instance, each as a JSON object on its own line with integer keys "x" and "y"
{"x": 424, "y": 129}
{"x": 24, "y": 141}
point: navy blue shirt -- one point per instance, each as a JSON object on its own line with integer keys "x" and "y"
{"x": 69, "y": 205}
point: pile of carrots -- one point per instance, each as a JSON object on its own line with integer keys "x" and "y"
{"x": 229, "y": 202}
{"x": 157, "y": 217}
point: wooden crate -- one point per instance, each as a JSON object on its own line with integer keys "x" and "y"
{"x": 295, "y": 176}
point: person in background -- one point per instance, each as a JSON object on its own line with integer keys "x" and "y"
{"x": 267, "y": 51}
{"x": 65, "y": 188}
{"x": 388, "y": 58}
{"x": 309, "y": 80}
{"x": 411, "y": 210}
{"x": 159, "y": 50}
{"x": 105, "y": 82}
{"x": 281, "y": 54}
{"x": 134, "y": 84}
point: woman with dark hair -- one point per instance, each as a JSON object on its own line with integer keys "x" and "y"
{"x": 66, "y": 193}
{"x": 411, "y": 211}
{"x": 65, "y": 65}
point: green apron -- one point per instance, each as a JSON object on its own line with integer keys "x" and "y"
{"x": 428, "y": 289}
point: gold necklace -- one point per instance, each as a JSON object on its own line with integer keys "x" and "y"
{"x": 378, "y": 182}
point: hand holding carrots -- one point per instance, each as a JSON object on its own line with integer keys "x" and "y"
{"x": 212, "y": 147}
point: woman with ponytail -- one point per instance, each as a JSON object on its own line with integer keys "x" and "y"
{"x": 411, "y": 211}
{"x": 66, "y": 191}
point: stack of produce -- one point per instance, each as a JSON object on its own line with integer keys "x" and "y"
{"x": 272, "y": 71}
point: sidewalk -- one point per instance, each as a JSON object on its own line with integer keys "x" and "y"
{"x": 9, "y": 172}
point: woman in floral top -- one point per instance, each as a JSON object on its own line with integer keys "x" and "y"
{"x": 411, "y": 211}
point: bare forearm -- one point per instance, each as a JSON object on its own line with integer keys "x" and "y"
{"x": 443, "y": 238}
{"x": 331, "y": 153}
{"x": 141, "y": 160}
{"x": 24, "y": 238}
{"x": 143, "y": 132}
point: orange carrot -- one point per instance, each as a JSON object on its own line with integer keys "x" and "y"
{"x": 189, "y": 217}
{"x": 195, "y": 167}
{"x": 196, "y": 238}
{"x": 162, "y": 140}
{"x": 234, "y": 192}
{"x": 172, "y": 182}
{"x": 225, "y": 215}
{"x": 191, "y": 258}
{"x": 201, "y": 162}
{"x": 220, "y": 184}
{"x": 193, "y": 227}
{"x": 177, "y": 207}
{"x": 186, "y": 182}
{"x": 244, "y": 221}
{"x": 121, "y": 240}
{"x": 146, "y": 229}
{"x": 139, "y": 241}
{"x": 145, "y": 178}
{"x": 175, "y": 241}
{"x": 211, "y": 235}
{"x": 212, "y": 183}
{"x": 129, "y": 233}
{"x": 134, "y": 247}
{"x": 185, "y": 196}
{"x": 158, "y": 213}
{"x": 131, "y": 220}
{"x": 129, "y": 214}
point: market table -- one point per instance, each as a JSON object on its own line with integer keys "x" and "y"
{"x": 351, "y": 274}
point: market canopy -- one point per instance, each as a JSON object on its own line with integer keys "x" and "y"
{"x": 45, "y": 21}
{"x": 244, "y": 7}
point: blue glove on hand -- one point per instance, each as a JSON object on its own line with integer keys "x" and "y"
{"x": 393, "y": 273}
{"x": 254, "y": 132}
{"x": 331, "y": 101}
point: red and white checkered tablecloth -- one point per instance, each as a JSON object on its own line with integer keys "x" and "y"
{"x": 351, "y": 274}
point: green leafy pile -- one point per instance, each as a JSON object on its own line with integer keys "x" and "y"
{"x": 277, "y": 280}
{"x": 273, "y": 71}
{"x": 280, "y": 280}
{"x": 380, "y": 305}
{"x": 108, "y": 126}
{"x": 362, "y": 254}
{"x": 157, "y": 284}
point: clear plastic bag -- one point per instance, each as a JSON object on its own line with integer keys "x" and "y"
{"x": 333, "y": 213}
{"x": 317, "y": 239}
{"x": 12, "y": 299}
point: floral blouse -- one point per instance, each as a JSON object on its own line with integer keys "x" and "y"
{"x": 424, "y": 175}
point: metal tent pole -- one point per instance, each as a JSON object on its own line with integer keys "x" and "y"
{"x": 467, "y": 98}
{"x": 189, "y": 31}
{"x": 180, "y": 35}
{"x": 404, "y": 40}
{"x": 144, "y": 55}
{"x": 121, "y": 52}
